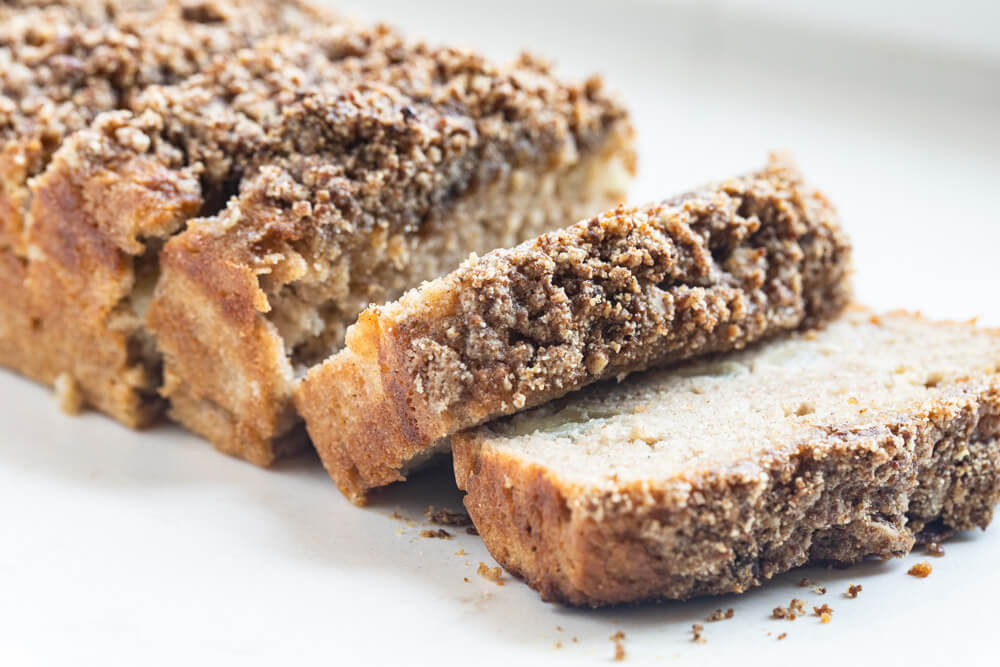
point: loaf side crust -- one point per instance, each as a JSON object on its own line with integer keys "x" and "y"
{"x": 635, "y": 287}
{"x": 853, "y": 494}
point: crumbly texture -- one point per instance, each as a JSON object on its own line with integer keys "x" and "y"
{"x": 921, "y": 570}
{"x": 853, "y": 590}
{"x": 711, "y": 270}
{"x": 446, "y": 517}
{"x": 713, "y": 477}
{"x": 719, "y": 615}
{"x": 315, "y": 165}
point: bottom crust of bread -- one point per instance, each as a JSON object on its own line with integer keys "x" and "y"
{"x": 858, "y": 494}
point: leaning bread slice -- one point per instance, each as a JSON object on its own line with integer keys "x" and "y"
{"x": 714, "y": 476}
{"x": 708, "y": 271}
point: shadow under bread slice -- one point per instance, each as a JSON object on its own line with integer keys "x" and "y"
{"x": 708, "y": 271}
{"x": 713, "y": 476}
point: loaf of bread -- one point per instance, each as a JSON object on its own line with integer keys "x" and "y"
{"x": 708, "y": 271}
{"x": 203, "y": 236}
{"x": 713, "y": 476}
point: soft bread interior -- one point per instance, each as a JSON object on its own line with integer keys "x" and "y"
{"x": 735, "y": 409}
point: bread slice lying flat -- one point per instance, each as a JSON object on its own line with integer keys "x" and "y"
{"x": 708, "y": 271}
{"x": 714, "y": 476}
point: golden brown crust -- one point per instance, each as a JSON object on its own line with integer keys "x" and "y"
{"x": 708, "y": 271}
{"x": 839, "y": 499}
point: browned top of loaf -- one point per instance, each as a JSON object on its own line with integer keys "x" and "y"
{"x": 62, "y": 63}
{"x": 349, "y": 129}
{"x": 624, "y": 289}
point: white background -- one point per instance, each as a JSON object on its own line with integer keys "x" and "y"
{"x": 120, "y": 548}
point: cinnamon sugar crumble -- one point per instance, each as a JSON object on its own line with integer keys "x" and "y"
{"x": 794, "y": 609}
{"x": 696, "y": 631}
{"x": 824, "y": 612}
{"x": 446, "y": 517}
{"x": 438, "y": 534}
{"x": 494, "y": 574}
{"x": 719, "y": 615}
{"x": 809, "y": 583}
{"x": 782, "y": 636}
{"x": 921, "y": 570}
{"x": 853, "y": 590}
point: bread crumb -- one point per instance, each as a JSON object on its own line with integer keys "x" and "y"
{"x": 816, "y": 588}
{"x": 575, "y": 640}
{"x": 68, "y": 394}
{"x": 465, "y": 579}
{"x": 782, "y": 636}
{"x": 438, "y": 534}
{"x": 696, "y": 633}
{"x": 397, "y": 516}
{"x": 794, "y": 609}
{"x": 494, "y": 574}
{"x": 824, "y": 612}
{"x": 619, "y": 639}
{"x": 558, "y": 628}
{"x": 460, "y": 552}
{"x": 921, "y": 570}
{"x": 719, "y": 615}
{"x": 446, "y": 517}
{"x": 558, "y": 644}
{"x": 853, "y": 590}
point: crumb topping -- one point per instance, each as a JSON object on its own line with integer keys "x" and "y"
{"x": 853, "y": 590}
{"x": 920, "y": 570}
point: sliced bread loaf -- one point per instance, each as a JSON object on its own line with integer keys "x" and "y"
{"x": 708, "y": 271}
{"x": 713, "y": 476}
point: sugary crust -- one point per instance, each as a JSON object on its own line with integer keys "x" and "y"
{"x": 709, "y": 271}
{"x": 852, "y": 494}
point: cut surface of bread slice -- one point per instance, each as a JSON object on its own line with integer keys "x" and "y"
{"x": 711, "y": 270}
{"x": 713, "y": 476}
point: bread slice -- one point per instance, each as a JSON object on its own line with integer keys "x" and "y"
{"x": 303, "y": 169}
{"x": 713, "y": 476}
{"x": 708, "y": 271}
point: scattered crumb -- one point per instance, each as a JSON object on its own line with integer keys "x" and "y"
{"x": 447, "y": 517}
{"x": 399, "y": 531}
{"x": 558, "y": 628}
{"x": 794, "y": 609}
{"x": 921, "y": 570}
{"x": 466, "y": 579}
{"x": 575, "y": 640}
{"x": 558, "y": 644}
{"x": 934, "y": 549}
{"x": 824, "y": 612}
{"x": 619, "y": 639}
{"x": 782, "y": 636}
{"x": 816, "y": 588}
{"x": 719, "y": 615}
{"x": 397, "y": 516}
{"x": 471, "y": 530}
{"x": 853, "y": 590}
{"x": 460, "y": 552}
{"x": 494, "y": 574}
{"x": 696, "y": 633}
{"x": 437, "y": 534}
